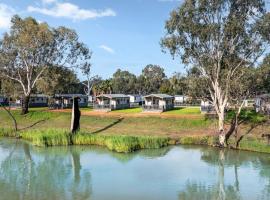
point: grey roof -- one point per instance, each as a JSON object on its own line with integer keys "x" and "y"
{"x": 70, "y": 95}
{"x": 111, "y": 96}
{"x": 162, "y": 96}
{"x": 135, "y": 95}
{"x": 39, "y": 95}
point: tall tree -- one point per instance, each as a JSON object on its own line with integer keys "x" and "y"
{"x": 58, "y": 80}
{"x": 123, "y": 82}
{"x": 220, "y": 37}
{"x": 153, "y": 76}
{"x": 31, "y": 47}
{"x": 263, "y": 76}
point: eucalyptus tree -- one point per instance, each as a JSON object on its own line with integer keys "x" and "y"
{"x": 153, "y": 76}
{"x": 29, "y": 48}
{"x": 220, "y": 37}
{"x": 124, "y": 82}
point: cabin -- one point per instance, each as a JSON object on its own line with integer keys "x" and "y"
{"x": 62, "y": 101}
{"x": 207, "y": 107}
{"x": 36, "y": 100}
{"x": 135, "y": 100}
{"x": 158, "y": 103}
{"x": 262, "y": 104}
{"x": 180, "y": 100}
{"x": 3, "y": 100}
{"x": 109, "y": 102}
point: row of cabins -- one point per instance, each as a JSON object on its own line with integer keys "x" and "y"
{"x": 151, "y": 103}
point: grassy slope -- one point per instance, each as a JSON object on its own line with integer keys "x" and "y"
{"x": 123, "y": 134}
{"x": 111, "y": 125}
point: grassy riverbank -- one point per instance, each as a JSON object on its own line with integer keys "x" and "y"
{"x": 126, "y": 134}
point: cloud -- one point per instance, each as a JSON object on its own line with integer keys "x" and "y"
{"x": 6, "y": 14}
{"x": 70, "y": 11}
{"x": 106, "y": 48}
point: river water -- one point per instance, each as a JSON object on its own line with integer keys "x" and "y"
{"x": 176, "y": 172}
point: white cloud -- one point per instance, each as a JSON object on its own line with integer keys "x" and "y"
{"x": 106, "y": 48}
{"x": 6, "y": 13}
{"x": 70, "y": 11}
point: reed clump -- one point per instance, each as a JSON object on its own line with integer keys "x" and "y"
{"x": 120, "y": 143}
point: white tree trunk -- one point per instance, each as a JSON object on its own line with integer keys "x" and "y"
{"x": 221, "y": 128}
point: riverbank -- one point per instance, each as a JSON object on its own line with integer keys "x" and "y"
{"x": 121, "y": 134}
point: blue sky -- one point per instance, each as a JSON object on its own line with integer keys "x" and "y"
{"x": 122, "y": 34}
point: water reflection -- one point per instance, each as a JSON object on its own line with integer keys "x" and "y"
{"x": 222, "y": 159}
{"x": 29, "y": 174}
{"x": 81, "y": 172}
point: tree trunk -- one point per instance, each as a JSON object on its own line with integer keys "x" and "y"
{"x": 76, "y": 114}
{"x": 221, "y": 131}
{"x": 25, "y": 104}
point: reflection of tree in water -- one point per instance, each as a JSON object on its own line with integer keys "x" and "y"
{"x": 223, "y": 158}
{"x": 265, "y": 172}
{"x": 27, "y": 175}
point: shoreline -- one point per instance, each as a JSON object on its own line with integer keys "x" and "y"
{"x": 126, "y": 143}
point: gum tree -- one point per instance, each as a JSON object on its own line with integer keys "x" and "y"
{"x": 29, "y": 48}
{"x": 220, "y": 38}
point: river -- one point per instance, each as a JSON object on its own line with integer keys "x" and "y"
{"x": 171, "y": 173}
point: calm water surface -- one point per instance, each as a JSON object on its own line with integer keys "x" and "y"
{"x": 181, "y": 172}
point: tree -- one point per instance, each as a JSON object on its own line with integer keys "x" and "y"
{"x": 166, "y": 87}
{"x": 123, "y": 82}
{"x": 263, "y": 76}
{"x": 103, "y": 87}
{"x": 90, "y": 80}
{"x": 58, "y": 80}
{"x": 179, "y": 83}
{"x": 31, "y": 47}
{"x": 220, "y": 38}
{"x": 153, "y": 76}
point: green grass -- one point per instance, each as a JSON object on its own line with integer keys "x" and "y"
{"x": 255, "y": 144}
{"x": 122, "y": 135}
{"x": 184, "y": 110}
{"x": 142, "y": 126}
{"x": 120, "y": 143}
{"x": 129, "y": 110}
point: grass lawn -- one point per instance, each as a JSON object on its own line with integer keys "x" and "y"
{"x": 121, "y": 134}
{"x": 109, "y": 125}
{"x": 184, "y": 110}
{"x": 129, "y": 110}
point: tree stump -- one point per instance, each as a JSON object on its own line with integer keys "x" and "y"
{"x": 76, "y": 115}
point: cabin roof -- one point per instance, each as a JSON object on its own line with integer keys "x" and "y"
{"x": 134, "y": 95}
{"x": 39, "y": 95}
{"x": 70, "y": 95}
{"x": 161, "y": 96}
{"x": 112, "y": 96}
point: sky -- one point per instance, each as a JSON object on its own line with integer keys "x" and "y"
{"x": 122, "y": 34}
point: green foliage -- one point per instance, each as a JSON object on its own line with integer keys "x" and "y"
{"x": 202, "y": 140}
{"x": 48, "y": 137}
{"x": 247, "y": 116}
{"x": 120, "y": 143}
{"x": 255, "y": 144}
